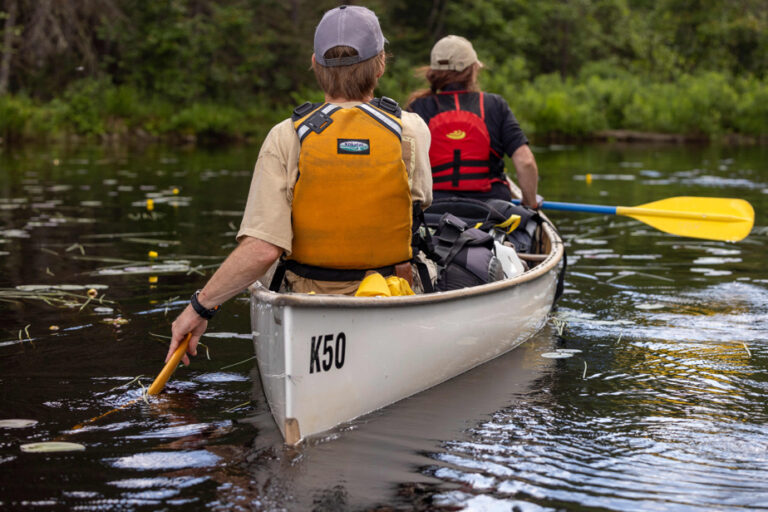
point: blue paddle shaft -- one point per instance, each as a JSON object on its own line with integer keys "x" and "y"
{"x": 575, "y": 207}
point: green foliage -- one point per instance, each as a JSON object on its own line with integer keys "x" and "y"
{"x": 15, "y": 116}
{"x": 207, "y": 121}
{"x": 401, "y": 78}
{"x": 553, "y": 106}
{"x": 21, "y": 118}
{"x": 709, "y": 104}
{"x": 702, "y": 104}
{"x": 83, "y": 102}
{"x": 751, "y": 112}
{"x": 214, "y": 69}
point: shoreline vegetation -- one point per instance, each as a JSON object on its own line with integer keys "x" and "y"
{"x": 207, "y": 71}
{"x": 707, "y": 108}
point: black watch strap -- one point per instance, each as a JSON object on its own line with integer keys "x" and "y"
{"x": 200, "y": 310}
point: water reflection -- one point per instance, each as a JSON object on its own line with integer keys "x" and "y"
{"x": 663, "y": 408}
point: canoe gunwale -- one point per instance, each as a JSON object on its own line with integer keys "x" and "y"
{"x": 554, "y": 257}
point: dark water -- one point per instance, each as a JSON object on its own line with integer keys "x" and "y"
{"x": 664, "y": 408}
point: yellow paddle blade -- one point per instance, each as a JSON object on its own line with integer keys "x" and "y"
{"x": 169, "y": 367}
{"x": 711, "y": 218}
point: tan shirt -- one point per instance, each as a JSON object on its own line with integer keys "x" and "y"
{"x": 267, "y": 213}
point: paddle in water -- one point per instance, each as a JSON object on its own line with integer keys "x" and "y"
{"x": 156, "y": 386}
{"x": 169, "y": 367}
{"x": 711, "y": 218}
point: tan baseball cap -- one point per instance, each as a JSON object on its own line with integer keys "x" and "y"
{"x": 453, "y": 53}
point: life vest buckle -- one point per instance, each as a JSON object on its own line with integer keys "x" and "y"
{"x": 389, "y": 105}
{"x": 318, "y": 121}
{"x": 303, "y": 109}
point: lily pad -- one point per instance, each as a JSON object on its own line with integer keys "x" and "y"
{"x": 648, "y": 306}
{"x": 52, "y": 446}
{"x": 557, "y": 355}
{"x": 17, "y": 423}
{"x": 33, "y": 287}
{"x": 60, "y": 287}
{"x": 68, "y": 287}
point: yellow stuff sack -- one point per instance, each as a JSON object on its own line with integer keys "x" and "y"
{"x": 374, "y": 285}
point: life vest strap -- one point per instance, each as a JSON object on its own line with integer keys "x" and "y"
{"x": 387, "y": 105}
{"x": 318, "y": 121}
{"x": 304, "y": 109}
{"x": 461, "y": 163}
{"x": 467, "y": 176}
{"x": 334, "y": 274}
{"x": 456, "y": 164}
{"x": 278, "y": 276}
{"x": 388, "y": 123}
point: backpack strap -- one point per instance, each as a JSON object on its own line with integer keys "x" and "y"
{"x": 448, "y": 234}
{"x": 478, "y": 214}
{"x": 422, "y": 243}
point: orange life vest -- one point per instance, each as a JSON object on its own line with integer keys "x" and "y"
{"x": 352, "y": 201}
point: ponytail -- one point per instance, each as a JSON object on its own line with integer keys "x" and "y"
{"x": 440, "y": 78}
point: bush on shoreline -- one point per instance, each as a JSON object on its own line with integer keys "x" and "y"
{"x": 709, "y": 105}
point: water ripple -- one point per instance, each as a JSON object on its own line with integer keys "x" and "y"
{"x": 548, "y": 460}
{"x": 166, "y": 460}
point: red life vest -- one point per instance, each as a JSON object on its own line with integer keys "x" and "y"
{"x": 460, "y": 154}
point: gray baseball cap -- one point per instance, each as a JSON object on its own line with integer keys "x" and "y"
{"x": 348, "y": 25}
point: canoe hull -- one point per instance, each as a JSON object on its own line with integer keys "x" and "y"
{"x": 325, "y": 362}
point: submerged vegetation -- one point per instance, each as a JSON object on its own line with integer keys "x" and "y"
{"x": 228, "y": 70}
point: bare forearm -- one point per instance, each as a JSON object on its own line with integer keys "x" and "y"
{"x": 248, "y": 262}
{"x": 527, "y": 174}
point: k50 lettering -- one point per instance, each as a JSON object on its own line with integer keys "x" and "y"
{"x": 326, "y": 352}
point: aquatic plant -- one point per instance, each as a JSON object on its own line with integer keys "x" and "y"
{"x": 61, "y": 296}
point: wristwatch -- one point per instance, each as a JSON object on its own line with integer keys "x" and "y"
{"x": 200, "y": 309}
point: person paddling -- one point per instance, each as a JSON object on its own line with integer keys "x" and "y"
{"x": 333, "y": 186}
{"x": 471, "y": 129}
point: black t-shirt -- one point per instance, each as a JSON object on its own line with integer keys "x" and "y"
{"x": 503, "y": 128}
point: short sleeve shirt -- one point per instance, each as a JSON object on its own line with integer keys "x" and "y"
{"x": 267, "y": 213}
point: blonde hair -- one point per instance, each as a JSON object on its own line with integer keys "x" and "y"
{"x": 355, "y": 82}
{"x": 439, "y": 78}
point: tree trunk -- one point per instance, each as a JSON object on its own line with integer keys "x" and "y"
{"x": 435, "y": 20}
{"x": 5, "y": 64}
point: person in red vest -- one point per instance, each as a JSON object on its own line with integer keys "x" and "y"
{"x": 471, "y": 130}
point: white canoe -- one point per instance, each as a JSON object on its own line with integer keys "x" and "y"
{"x": 326, "y": 359}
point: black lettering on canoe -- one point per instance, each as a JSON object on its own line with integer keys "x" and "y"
{"x": 314, "y": 358}
{"x": 333, "y": 354}
{"x": 327, "y": 352}
{"x": 341, "y": 348}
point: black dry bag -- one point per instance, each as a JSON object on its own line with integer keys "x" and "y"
{"x": 465, "y": 255}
